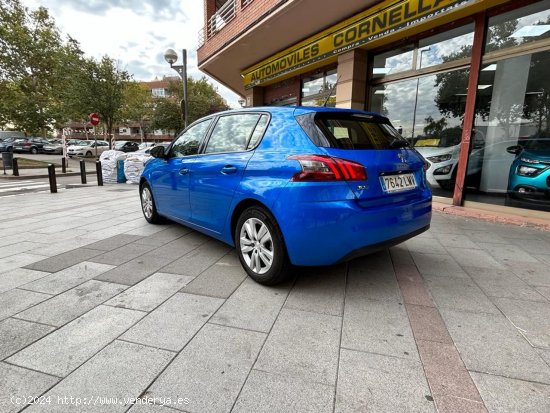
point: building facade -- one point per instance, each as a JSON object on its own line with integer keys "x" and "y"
{"x": 465, "y": 81}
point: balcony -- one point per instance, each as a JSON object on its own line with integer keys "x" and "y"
{"x": 240, "y": 33}
{"x": 218, "y": 20}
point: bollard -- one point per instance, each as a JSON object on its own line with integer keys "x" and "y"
{"x": 83, "y": 171}
{"x": 15, "y": 167}
{"x": 63, "y": 165}
{"x": 99, "y": 173}
{"x": 51, "y": 175}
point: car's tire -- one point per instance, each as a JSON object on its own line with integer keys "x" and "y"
{"x": 10, "y": 149}
{"x": 88, "y": 154}
{"x": 261, "y": 247}
{"x": 34, "y": 151}
{"x": 148, "y": 205}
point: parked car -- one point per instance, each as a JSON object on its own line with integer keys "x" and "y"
{"x": 87, "y": 148}
{"x": 6, "y": 144}
{"x": 31, "y": 145}
{"x": 147, "y": 150}
{"x": 144, "y": 145}
{"x": 442, "y": 153}
{"x": 290, "y": 186}
{"x": 53, "y": 148}
{"x": 529, "y": 178}
{"x": 126, "y": 146}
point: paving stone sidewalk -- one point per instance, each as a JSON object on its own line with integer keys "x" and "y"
{"x": 100, "y": 311}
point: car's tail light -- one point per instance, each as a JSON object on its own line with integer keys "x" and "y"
{"x": 327, "y": 168}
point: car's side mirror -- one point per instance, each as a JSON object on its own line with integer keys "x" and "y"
{"x": 157, "y": 151}
{"x": 514, "y": 150}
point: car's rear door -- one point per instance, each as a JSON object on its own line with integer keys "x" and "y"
{"x": 217, "y": 171}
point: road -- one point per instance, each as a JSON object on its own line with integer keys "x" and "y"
{"x": 10, "y": 187}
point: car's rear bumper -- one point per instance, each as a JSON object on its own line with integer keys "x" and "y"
{"x": 324, "y": 233}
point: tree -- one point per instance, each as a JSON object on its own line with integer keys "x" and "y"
{"x": 99, "y": 87}
{"x": 138, "y": 105}
{"x": 33, "y": 59}
{"x": 204, "y": 99}
{"x": 167, "y": 115}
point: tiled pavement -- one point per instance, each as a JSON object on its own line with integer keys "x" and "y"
{"x": 99, "y": 308}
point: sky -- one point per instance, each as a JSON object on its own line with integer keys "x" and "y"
{"x": 135, "y": 32}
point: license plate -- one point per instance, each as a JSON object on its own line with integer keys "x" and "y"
{"x": 396, "y": 183}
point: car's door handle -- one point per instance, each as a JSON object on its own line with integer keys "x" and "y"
{"x": 228, "y": 169}
{"x": 184, "y": 171}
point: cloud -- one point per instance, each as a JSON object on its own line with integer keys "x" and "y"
{"x": 159, "y": 10}
{"x": 136, "y": 33}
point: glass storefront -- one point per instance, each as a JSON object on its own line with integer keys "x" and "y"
{"x": 427, "y": 109}
{"x": 422, "y": 88}
{"x": 319, "y": 89}
{"x": 512, "y": 110}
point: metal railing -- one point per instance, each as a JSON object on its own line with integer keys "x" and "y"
{"x": 219, "y": 19}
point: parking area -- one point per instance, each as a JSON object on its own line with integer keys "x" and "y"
{"x": 100, "y": 311}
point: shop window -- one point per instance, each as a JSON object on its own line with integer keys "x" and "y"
{"x": 525, "y": 25}
{"x": 445, "y": 47}
{"x": 428, "y": 111}
{"x": 320, "y": 89}
{"x": 395, "y": 61}
{"x": 512, "y": 117}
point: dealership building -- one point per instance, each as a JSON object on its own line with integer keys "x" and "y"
{"x": 466, "y": 82}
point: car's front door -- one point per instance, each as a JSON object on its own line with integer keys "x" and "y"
{"x": 217, "y": 171}
{"x": 170, "y": 182}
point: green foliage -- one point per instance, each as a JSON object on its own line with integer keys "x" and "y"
{"x": 167, "y": 115}
{"x": 203, "y": 98}
{"x": 33, "y": 58}
{"x": 98, "y": 87}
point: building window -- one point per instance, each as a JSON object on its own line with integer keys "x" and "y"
{"x": 159, "y": 92}
{"x": 319, "y": 89}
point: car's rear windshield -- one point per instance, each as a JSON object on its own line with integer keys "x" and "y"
{"x": 351, "y": 131}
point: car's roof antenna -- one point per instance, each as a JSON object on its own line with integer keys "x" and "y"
{"x": 332, "y": 89}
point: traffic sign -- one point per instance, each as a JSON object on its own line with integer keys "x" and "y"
{"x": 94, "y": 118}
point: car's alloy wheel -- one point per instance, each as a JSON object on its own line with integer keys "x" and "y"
{"x": 34, "y": 151}
{"x": 260, "y": 247}
{"x": 256, "y": 245}
{"x": 148, "y": 205}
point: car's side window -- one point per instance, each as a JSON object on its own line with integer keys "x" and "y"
{"x": 232, "y": 133}
{"x": 258, "y": 132}
{"x": 188, "y": 143}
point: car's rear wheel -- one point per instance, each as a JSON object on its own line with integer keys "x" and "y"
{"x": 88, "y": 154}
{"x": 148, "y": 205}
{"x": 34, "y": 151}
{"x": 260, "y": 246}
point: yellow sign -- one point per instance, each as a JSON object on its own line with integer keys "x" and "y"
{"x": 368, "y": 26}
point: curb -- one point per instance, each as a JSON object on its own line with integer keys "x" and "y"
{"x": 503, "y": 218}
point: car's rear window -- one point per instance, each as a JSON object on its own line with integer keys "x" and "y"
{"x": 351, "y": 131}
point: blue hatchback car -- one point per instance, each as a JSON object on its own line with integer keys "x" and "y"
{"x": 529, "y": 178}
{"x": 290, "y": 186}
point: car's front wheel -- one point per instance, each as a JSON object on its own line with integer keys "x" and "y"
{"x": 148, "y": 205}
{"x": 260, "y": 246}
{"x": 34, "y": 151}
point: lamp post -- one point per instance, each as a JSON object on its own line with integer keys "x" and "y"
{"x": 416, "y": 95}
{"x": 172, "y": 57}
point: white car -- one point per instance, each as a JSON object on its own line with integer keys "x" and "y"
{"x": 87, "y": 148}
{"x": 442, "y": 154}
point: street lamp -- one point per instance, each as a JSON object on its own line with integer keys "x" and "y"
{"x": 172, "y": 57}
{"x": 427, "y": 49}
